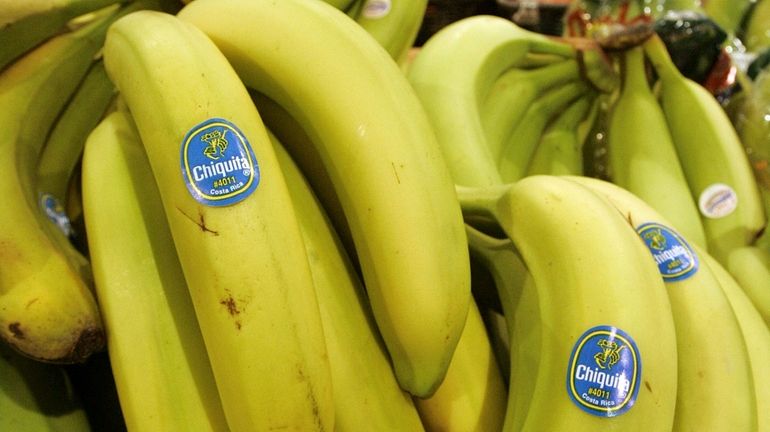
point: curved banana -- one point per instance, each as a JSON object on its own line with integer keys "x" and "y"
{"x": 519, "y": 147}
{"x": 754, "y": 34}
{"x": 47, "y": 310}
{"x": 232, "y": 221}
{"x": 37, "y": 397}
{"x": 560, "y": 149}
{"x": 513, "y": 92}
{"x": 702, "y": 314}
{"x": 712, "y": 157}
{"x": 25, "y": 24}
{"x": 750, "y": 266}
{"x": 455, "y": 70}
{"x": 142, "y": 292}
{"x": 642, "y": 155}
{"x": 728, "y": 14}
{"x": 602, "y": 311}
{"x": 757, "y": 336}
{"x": 394, "y": 24}
{"x": 472, "y": 396}
{"x": 380, "y": 153}
{"x": 365, "y": 388}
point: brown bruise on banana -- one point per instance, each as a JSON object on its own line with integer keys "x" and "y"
{"x": 200, "y": 221}
{"x": 311, "y": 398}
{"x": 15, "y": 329}
{"x": 648, "y": 386}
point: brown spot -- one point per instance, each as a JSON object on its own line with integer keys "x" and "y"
{"x": 230, "y": 305}
{"x": 15, "y": 328}
{"x": 201, "y": 222}
{"x": 647, "y": 386}
{"x": 29, "y": 303}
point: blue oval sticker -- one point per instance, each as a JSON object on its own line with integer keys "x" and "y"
{"x": 675, "y": 258}
{"x": 604, "y": 372}
{"x": 218, "y": 163}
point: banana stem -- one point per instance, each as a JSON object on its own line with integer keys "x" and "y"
{"x": 658, "y": 54}
{"x": 480, "y": 201}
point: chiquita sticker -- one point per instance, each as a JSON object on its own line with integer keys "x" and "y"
{"x": 218, "y": 163}
{"x": 675, "y": 258}
{"x": 604, "y": 372}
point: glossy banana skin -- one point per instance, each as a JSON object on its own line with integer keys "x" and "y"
{"x": 380, "y": 154}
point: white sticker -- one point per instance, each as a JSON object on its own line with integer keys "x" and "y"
{"x": 374, "y": 9}
{"x": 717, "y": 201}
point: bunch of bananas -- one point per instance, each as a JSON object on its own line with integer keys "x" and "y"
{"x": 280, "y": 215}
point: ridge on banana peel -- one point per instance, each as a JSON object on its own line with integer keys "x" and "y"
{"x": 47, "y": 308}
{"x": 142, "y": 293}
{"x": 380, "y": 153}
{"x": 702, "y": 313}
{"x": 238, "y": 239}
{"x": 566, "y": 236}
{"x": 394, "y": 24}
{"x": 363, "y": 383}
{"x": 712, "y": 156}
{"x": 642, "y": 155}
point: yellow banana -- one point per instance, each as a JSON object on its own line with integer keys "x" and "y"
{"x": 47, "y": 310}
{"x": 642, "y": 155}
{"x": 601, "y": 311}
{"x": 380, "y": 153}
{"x": 365, "y": 388}
{"x": 231, "y": 219}
{"x": 393, "y": 23}
{"x": 159, "y": 362}
{"x": 750, "y": 266}
{"x": 702, "y": 314}
{"x": 712, "y": 156}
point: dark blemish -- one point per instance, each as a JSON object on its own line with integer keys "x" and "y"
{"x": 647, "y": 385}
{"x": 15, "y": 328}
{"x": 29, "y": 303}
{"x": 398, "y": 180}
{"x": 229, "y": 304}
{"x": 200, "y": 222}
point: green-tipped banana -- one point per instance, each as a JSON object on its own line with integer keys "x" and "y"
{"x": 232, "y": 222}
{"x": 37, "y": 397}
{"x": 757, "y": 336}
{"x": 453, "y": 73}
{"x": 750, "y": 266}
{"x": 712, "y": 157}
{"x": 25, "y": 24}
{"x": 513, "y": 92}
{"x": 380, "y": 153}
{"x": 357, "y": 354}
{"x": 392, "y": 23}
{"x": 155, "y": 346}
{"x": 702, "y": 314}
{"x": 473, "y": 395}
{"x": 47, "y": 310}
{"x": 519, "y": 147}
{"x": 642, "y": 156}
{"x": 560, "y": 149}
{"x": 606, "y": 331}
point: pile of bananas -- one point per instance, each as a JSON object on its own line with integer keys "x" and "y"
{"x": 280, "y": 215}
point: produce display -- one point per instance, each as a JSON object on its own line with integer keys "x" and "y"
{"x": 385, "y": 215}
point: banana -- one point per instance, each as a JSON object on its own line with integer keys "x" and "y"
{"x": 25, "y": 24}
{"x": 62, "y": 153}
{"x": 393, "y": 24}
{"x": 380, "y": 153}
{"x": 473, "y": 395}
{"x": 516, "y": 89}
{"x": 141, "y": 290}
{"x": 231, "y": 220}
{"x": 592, "y": 310}
{"x": 702, "y": 314}
{"x": 47, "y": 310}
{"x": 642, "y": 156}
{"x": 560, "y": 149}
{"x": 755, "y": 35}
{"x": 519, "y": 147}
{"x": 339, "y": 4}
{"x": 728, "y": 14}
{"x": 712, "y": 157}
{"x": 750, "y": 266}
{"x": 756, "y": 334}
{"x": 364, "y": 385}
{"x": 455, "y": 70}
{"x": 37, "y": 397}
